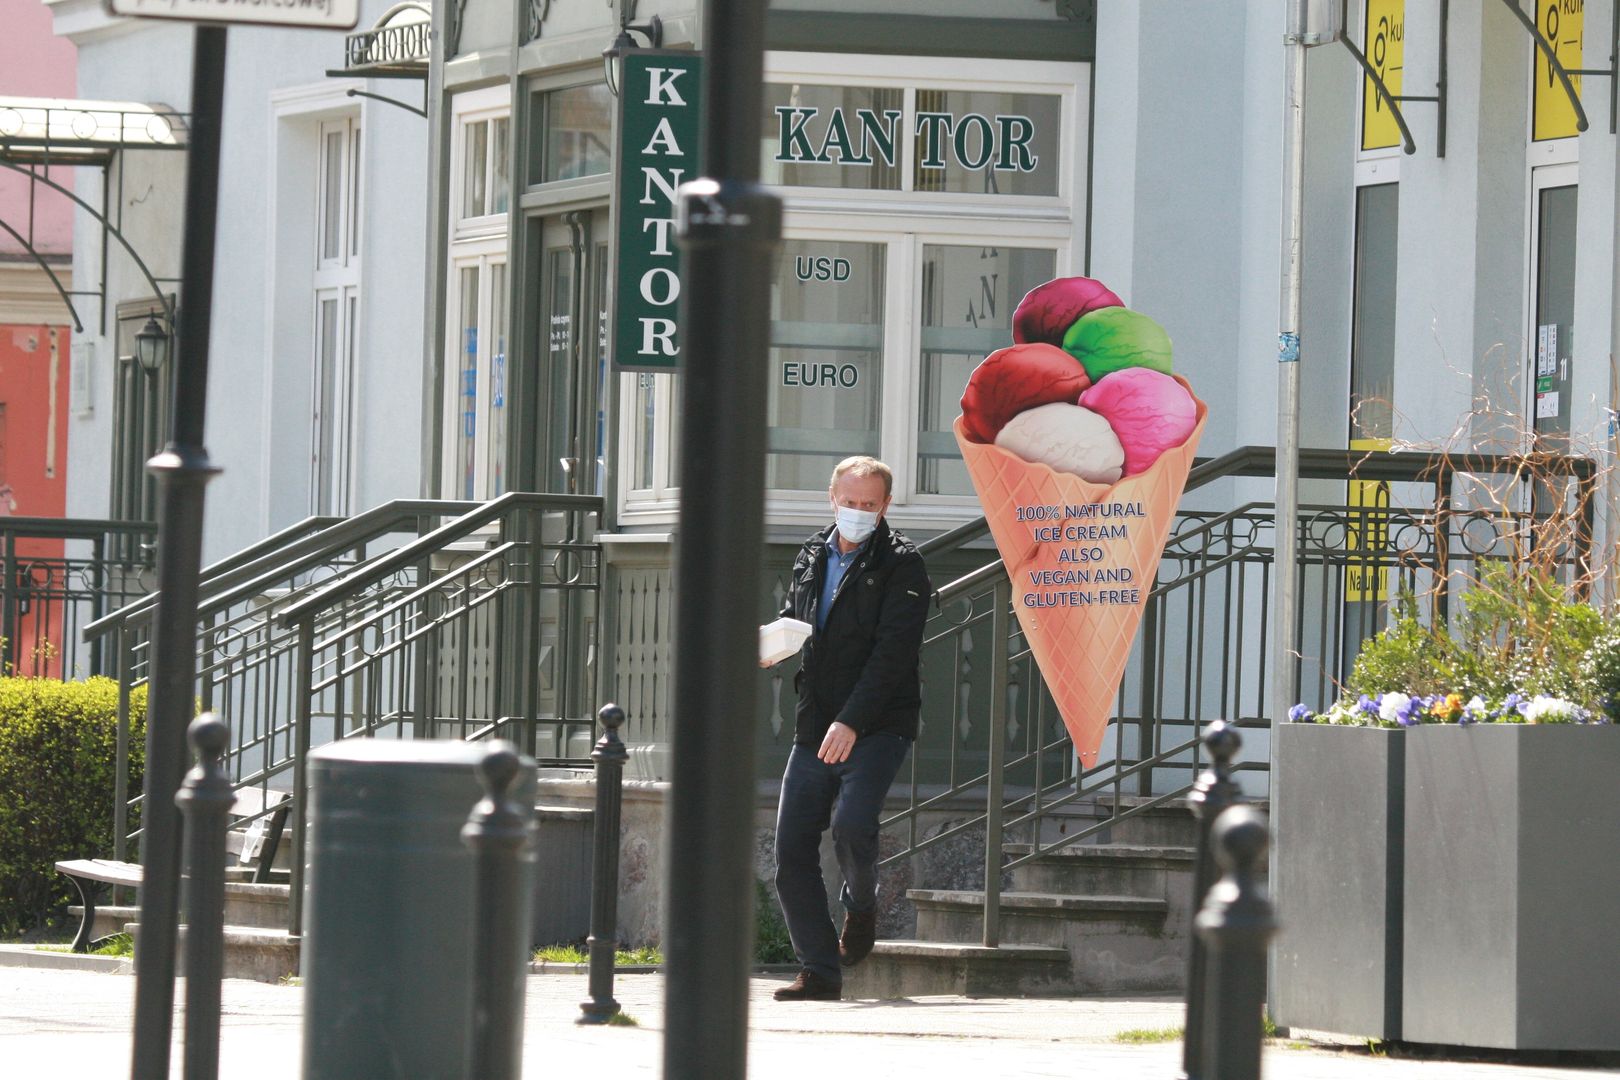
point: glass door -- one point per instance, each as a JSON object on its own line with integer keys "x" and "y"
{"x": 1551, "y": 340}
{"x": 571, "y": 277}
{"x": 568, "y": 282}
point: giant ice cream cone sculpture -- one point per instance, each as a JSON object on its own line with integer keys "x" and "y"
{"x": 1079, "y": 456}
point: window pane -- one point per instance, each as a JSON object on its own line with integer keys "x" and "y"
{"x": 558, "y": 291}
{"x": 325, "y": 406}
{"x": 1372, "y": 341}
{"x": 826, "y": 359}
{"x": 968, "y": 296}
{"x": 497, "y": 382}
{"x": 987, "y": 143}
{"x": 601, "y": 264}
{"x": 498, "y": 186}
{"x": 467, "y": 389}
{"x": 1555, "y": 311}
{"x": 642, "y": 420}
{"x": 354, "y": 191}
{"x": 332, "y": 196}
{"x": 573, "y": 133}
{"x": 832, "y": 136}
{"x": 475, "y": 150}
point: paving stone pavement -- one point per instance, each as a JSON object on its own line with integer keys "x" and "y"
{"x": 47, "y": 1014}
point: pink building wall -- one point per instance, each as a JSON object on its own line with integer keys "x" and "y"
{"x": 34, "y": 62}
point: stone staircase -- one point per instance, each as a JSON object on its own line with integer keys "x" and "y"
{"x": 1106, "y": 917}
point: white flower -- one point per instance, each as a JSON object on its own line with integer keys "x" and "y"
{"x": 1392, "y": 706}
{"x": 1550, "y": 710}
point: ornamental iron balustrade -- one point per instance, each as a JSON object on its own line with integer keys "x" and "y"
{"x": 56, "y": 577}
{"x": 992, "y": 757}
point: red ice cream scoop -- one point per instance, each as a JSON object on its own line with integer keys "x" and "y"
{"x": 1016, "y": 378}
{"x": 1047, "y": 312}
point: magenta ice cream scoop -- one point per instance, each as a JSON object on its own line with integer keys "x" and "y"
{"x": 1149, "y": 411}
{"x": 1048, "y": 311}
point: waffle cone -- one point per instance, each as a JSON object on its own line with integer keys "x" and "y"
{"x": 1081, "y": 650}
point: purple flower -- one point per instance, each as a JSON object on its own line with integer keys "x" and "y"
{"x": 1299, "y": 714}
{"x": 1367, "y": 705}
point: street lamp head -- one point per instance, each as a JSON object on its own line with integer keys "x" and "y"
{"x": 152, "y": 346}
{"x": 613, "y": 55}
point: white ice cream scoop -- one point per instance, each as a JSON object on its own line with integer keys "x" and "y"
{"x": 1069, "y": 438}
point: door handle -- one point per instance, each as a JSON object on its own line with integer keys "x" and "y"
{"x": 569, "y": 468}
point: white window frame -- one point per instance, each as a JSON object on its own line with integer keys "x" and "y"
{"x": 1562, "y": 173}
{"x": 336, "y": 278}
{"x": 905, "y": 222}
{"x": 478, "y": 242}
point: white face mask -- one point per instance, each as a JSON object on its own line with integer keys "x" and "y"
{"x": 856, "y": 525}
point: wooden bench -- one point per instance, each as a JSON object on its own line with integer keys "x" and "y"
{"x": 257, "y": 846}
{"x": 88, "y": 875}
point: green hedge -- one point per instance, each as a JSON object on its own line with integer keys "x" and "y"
{"x": 58, "y": 749}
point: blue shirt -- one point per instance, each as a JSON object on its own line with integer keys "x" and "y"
{"x": 838, "y": 563}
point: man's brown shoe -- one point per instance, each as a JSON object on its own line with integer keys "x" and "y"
{"x": 810, "y": 987}
{"x": 860, "y": 930}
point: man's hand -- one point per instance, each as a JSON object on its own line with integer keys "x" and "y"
{"x": 836, "y": 745}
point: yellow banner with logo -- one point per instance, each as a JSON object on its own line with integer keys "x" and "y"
{"x": 1384, "y": 42}
{"x": 1562, "y": 22}
{"x": 1366, "y": 537}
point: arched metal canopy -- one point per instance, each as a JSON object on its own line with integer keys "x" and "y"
{"x": 38, "y": 133}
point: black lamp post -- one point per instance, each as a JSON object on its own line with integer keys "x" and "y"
{"x": 652, "y": 30}
{"x": 152, "y": 346}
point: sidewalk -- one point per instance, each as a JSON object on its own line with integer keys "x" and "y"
{"x": 51, "y": 1017}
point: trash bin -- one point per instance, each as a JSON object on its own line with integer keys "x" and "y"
{"x": 389, "y": 911}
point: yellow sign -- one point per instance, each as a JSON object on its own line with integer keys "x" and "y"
{"x": 1384, "y": 41}
{"x": 1366, "y": 539}
{"x": 1561, "y": 22}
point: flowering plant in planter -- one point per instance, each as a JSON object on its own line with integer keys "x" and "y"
{"x": 1518, "y": 653}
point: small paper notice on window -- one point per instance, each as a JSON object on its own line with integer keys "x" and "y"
{"x": 1547, "y": 405}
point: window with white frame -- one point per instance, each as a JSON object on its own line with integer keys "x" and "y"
{"x": 475, "y": 395}
{"x": 336, "y": 315}
{"x": 921, "y": 204}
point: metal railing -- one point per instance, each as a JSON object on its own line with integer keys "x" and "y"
{"x": 468, "y": 632}
{"x": 993, "y": 755}
{"x": 58, "y": 575}
{"x": 415, "y": 619}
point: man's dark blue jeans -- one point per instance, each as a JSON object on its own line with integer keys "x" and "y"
{"x": 849, "y": 797}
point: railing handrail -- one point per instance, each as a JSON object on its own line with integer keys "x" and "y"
{"x": 47, "y": 528}
{"x": 371, "y": 571}
{"x": 955, "y": 538}
{"x": 1314, "y": 464}
{"x": 244, "y": 574}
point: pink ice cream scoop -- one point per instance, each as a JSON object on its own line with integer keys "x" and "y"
{"x": 1047, "y": 312}
{"x": 1016, "y": 378}
{"x": 1149, "y": 411}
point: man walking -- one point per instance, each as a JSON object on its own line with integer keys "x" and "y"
{"x": 864, "y": 590}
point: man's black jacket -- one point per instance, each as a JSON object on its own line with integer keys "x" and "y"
{"x": 861, "y": 668}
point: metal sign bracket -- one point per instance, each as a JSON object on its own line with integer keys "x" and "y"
{"x": 1438, "y": 98}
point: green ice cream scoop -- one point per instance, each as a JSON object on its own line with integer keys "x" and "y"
{"x": 1109, "y": 339}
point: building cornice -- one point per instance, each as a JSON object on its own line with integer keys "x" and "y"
{"x": 28, "y": 299}
{"x": 86, "y": 21}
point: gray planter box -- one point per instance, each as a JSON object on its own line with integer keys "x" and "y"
{"x": 1338, "y": 806}
{"x": 1513, "y": 887}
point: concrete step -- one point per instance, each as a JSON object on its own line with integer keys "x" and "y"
{"x": 1153, "y": 870}
{"x": 901, "y": 969}
{"x": 1170, "y": 825}
{"x": 251, "y": 952}
{"x": 1115, "y": 943}
{"x": 110, "y": 918}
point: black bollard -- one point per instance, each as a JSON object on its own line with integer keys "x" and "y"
{"x": 1236, "y": 925}
{"x": 609, "y": 756}
{"x": 498, "y": 832}
{"x": 205, "y": 799}
{"x": 1214, "y": 791}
